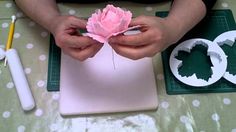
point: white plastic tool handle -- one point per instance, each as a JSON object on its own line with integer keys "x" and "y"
{"x": 20, "y": 81}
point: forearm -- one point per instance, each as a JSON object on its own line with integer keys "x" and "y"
{"x": 41, "y": 11}
{"x": 184, "y": 15}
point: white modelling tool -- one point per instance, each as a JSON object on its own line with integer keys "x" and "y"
{"x": 10, "y": 35}
{"x": 217, "y": 57}
{"x": 227, "y": 38}
{"x": 20, "y": 81}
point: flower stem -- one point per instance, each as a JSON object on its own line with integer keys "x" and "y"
{"x": 113, "y": 59}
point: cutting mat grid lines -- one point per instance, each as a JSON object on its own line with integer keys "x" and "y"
{"x": 54, "y": 63}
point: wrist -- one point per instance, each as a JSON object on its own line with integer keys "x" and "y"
{"x": 52, "y": 23}
{"x": 175, "y": 29}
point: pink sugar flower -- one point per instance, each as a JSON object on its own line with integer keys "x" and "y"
{"x": 111, "y": 21}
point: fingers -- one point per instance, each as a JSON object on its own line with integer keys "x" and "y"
{"x": 95, "y": 49}
{"x": 138, "y": 21}
{"x": 76, "y": 41}
{"x": 139, "y": 38}
{"x": 151, "y": 40}
{"x": 75, "y": 22}
{"x": 71, "y": 41}
{"x": 67, "y": 23}
{"x": 131, "y": 40}
{"x": 134, "y": 53}
{"x": 85, "y": 53}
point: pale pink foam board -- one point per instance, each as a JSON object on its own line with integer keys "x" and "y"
{"x": 95, "y": 86}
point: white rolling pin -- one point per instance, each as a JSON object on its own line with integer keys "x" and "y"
{"x": 2, "y": 54}
{"x": 20, "y": 81}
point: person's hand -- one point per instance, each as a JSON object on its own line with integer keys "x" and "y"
{"x": 65, "y": 29}
{"x": 156, "y": 35}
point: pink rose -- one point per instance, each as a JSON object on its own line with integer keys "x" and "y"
{"x": 109, "y": 22}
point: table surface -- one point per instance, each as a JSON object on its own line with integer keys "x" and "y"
{"x": 192, "y": 112}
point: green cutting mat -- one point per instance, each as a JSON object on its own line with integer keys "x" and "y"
{"x": 217, "y": 22}
{"x": 54, "y": 64}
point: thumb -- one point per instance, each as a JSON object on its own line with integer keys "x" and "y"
{"x": 78, "y": 23}
{"x": 137, "y": 21}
